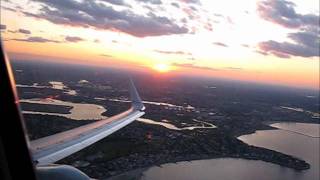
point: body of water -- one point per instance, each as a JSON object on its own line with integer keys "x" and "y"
{"x": 188, "y": 107}
{"x": 292, "y": 138}
{"x": 54, "y": 85}
{"x": 166, "y": 124}
{"x": 297, "y": 139}
{"x": 79, "y": 111}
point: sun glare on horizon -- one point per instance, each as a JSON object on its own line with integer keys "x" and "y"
{"x": 161, "y": 67}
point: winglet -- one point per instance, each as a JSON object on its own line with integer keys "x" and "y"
{"x": 135, "y": 98}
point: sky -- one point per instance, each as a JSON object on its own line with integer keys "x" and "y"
{"x": 265, "y": 41}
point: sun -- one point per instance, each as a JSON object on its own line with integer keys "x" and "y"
{"x": 162, "y": 67}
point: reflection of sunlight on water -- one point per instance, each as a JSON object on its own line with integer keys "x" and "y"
{"x": 71, "y": 92}
{"x": 220, "y": 169}
{"x": 34, "y": 85}
{"x": 79, "y": 111}
{"x": 154, "y": 103}
{"x": 54, "y": 85}
{"x": 229, "y": 168}
{"x": 57, "y": 85}
{"x": 82, "y": 111}
{"x": 292, "y": 108}
{"x": 173, "y": 127}
{"x": 293, "y": 139}
{"x": 314, "y": 115}
{"x": 312, "y": 130}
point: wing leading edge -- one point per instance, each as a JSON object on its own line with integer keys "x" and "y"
{"x": 50, "y": 149}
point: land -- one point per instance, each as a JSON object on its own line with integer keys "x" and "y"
{"x": 235, "y": 108}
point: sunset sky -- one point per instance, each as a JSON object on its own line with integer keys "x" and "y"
{"x": 270, "y": 41}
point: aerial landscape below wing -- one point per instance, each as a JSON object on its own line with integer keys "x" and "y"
{"x": 50, "y": 149}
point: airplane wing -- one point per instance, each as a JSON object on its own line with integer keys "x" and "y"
{"x": 50, "y": 149}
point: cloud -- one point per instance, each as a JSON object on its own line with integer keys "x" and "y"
{"x": 3, "y": 27}
{"x": 184, "y": 20}
{"x": 100, "y": 16}
{"x": 191, "y": 1}
{"x": 191, "y": 13}
{"x": 287, "y": 49}
{"x": 217, "y": 15}
{"x": 208, "y": 26}
{"x": 36, "y": 39}
{"x": 281, "y": 55}
{"x": 193, "y": 8}
{"x": 234, "y": 68}
{"x": 175, "y": 5}
{"x": 220, "y": 44}
{"x": 282, "y": 12}
{"x": 8, "y": 9}
{"x": 245, "y": 45}
{"x": 73, "y": 39}
{"x": 261, "y": 52}
{"x": 114, "y": 41}
{"x": 304, "y": 43}
{"x": 191, "y": 58}
{"x": 192, "y": 66}
{"x": 116, "y": 2}
{"x": 106, "y": 55}
{"x": 308, "y": 39}
{"x": 173, "y": 52}
{"x": 229, "y": 20}
{"x": 189, "y": 65}
{"x": 24, "y": 31}
{"x": 157, "y": 2}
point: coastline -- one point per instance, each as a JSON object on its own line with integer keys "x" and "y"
{"x": 184, "y": 146}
